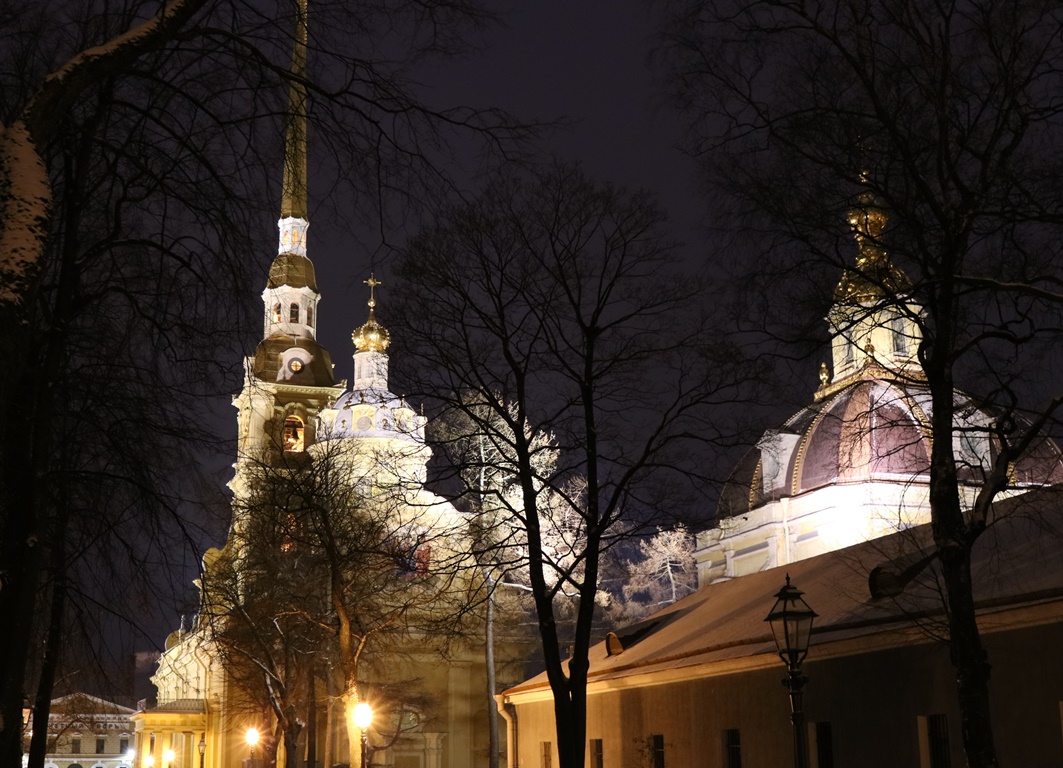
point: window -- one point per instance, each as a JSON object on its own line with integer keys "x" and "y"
{"x": 293, "y": 434}
{"x": 293, "y": 314}
{"x": 101, "y": 745}
{"x": 123, "y": 744}
{"x": 850, "y": 354}
{"x": 597, "y": 756}
{"x": 732, "y": 745}
{"x": 276, "y": 313}
{"x": 545, "y": 754}
{"x": 657, "y": 750}
{"x": 75, "y": 745}
{"x": 900, "y": 336}
{"x": 824, "y": 750}
{"x": 310, "y": 316}
{"x": 937, "y": 736}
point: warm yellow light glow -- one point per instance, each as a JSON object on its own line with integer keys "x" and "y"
{"x": 168, "y": 756}
{"x": 149, "y": 760}
{"x": 252, "y": 737}
{"x": 363, "y": 715}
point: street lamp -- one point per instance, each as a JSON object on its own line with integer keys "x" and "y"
{"x": 252, "y": 739}
{"x": 202, "y": 749}
{"x": 167, "y": 758}
{"x": 791, "y": 624}
{"x": 149, "y": 761}
{"x": 363, "y": 718}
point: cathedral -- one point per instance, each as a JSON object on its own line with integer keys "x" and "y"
{"x": 221, "y": 703}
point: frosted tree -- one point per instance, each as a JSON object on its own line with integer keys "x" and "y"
{"x": 661, "y": 571}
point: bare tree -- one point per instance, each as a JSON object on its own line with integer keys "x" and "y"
{"x": 553, "y": 305}
{"x": 134, "y": 141}
{"x": 941, "y": 122}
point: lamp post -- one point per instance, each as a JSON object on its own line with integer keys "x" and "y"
{"x": 251, "y": 737}
{"x": 363, "y": 718}
{"x": 202, "y": 749}
{"x": 791, "y": 624}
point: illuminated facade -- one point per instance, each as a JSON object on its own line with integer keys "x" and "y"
{"x": 89, "y": 732}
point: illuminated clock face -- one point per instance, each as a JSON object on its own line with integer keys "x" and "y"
{"x": 295, "y": 365}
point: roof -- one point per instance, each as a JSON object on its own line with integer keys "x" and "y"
{"x": 874, "y": 428}
{"x": 293, "y": 270}
{"x": 267, "y": 363}
{"x": 721, "y": 628}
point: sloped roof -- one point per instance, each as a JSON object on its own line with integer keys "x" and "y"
{"x": 85, "y": 704}
{"x": 721, "y": 628}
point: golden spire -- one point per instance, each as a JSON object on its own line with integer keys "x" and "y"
{"x": 371, "y": 337}
{"x": 293, "y": 190}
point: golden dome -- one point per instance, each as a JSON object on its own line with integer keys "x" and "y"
{"x": 873, "y": 277}
{"x": 372, "y": 336}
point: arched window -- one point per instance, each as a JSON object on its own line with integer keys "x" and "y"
{"x": 310, "y": 316}
{"x": 293, "y": 433}
{"x": 293, "y": 315}
{"x": 276, "y": 313}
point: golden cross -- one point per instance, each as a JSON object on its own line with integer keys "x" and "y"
{"x": 372, "y": 282}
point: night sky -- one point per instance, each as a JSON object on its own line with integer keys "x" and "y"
{"x": 583, "y": 63}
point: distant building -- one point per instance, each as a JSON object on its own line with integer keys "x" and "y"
{"x": 89, "y": 732}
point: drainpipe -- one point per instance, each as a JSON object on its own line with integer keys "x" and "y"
{"x": 509, "y": 713}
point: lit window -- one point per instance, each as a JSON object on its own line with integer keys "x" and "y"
{"x": 293, "y": 433}
{"x": 293, "y": 314}
{"x": 276, "y": 313}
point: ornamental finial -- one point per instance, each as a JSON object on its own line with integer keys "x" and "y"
{"x": 371, "y": 337}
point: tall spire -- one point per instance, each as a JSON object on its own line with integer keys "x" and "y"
{"x": 293, "y": 222}
{"x": 293, "y": 200}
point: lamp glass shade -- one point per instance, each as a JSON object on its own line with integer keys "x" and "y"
{"x": 791, "y": 624}
{"x": 202, "y": 746}
{"x": 363, "y": 715}
{"x": 168, "y": 755}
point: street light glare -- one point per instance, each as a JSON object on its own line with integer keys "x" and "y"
{"x": 363, "y": 715}
{"x": 168, "y": 756}
{"x": 149, "y": 761}
{"x": 252, "y": 737}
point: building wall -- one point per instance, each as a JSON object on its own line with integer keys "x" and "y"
{"x": 877, "y": 705}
